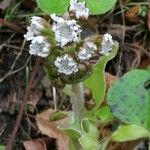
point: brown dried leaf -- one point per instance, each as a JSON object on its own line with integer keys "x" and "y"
{"x": 131, "y": 15}
{"x": 51, "y": 128}
{"x": 37, "y": 144}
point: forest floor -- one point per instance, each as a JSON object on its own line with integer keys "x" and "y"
{"x": 128, "y": 23}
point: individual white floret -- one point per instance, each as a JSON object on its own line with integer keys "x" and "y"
{"x": 107, "y": 44}
{"x": 40, "y": 46}
{"x": 35, "y": 28}
{"x": 65, "y": 30}
{"x": 87, "y": 51}
{"x": 66, "y": 64}
{"x": 79, "y": 9}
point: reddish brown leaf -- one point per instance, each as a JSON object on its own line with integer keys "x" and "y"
{"x": 37, "y": 144}
{"x": 131, "y": 15}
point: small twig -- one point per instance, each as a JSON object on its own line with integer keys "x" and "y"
{"x": 123, "y": 36}
{"x": 12, "y": 25}
{"x": 15, "y": 71}
{"x": 25, "y": 98}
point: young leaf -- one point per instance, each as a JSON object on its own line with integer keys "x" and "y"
{"x": 96, "y": 82}
{"x": 129, "y": 100}
{"x": 104, "y": 114}
{"x": 99, "y": 6}
{"x": 129, "y": 132}
{"x": 53, "y": 6}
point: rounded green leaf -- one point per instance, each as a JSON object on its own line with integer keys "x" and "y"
{"x": 53, "y": 6}
{"x": 99, "y": 6}
{"x": 129, "y": 132}
{"x": 129, "y": 100}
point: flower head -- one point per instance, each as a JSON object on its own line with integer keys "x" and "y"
{"x": 107, "y": 44}
{"x": 35, "y": 28}
{"x": 87, "y": 51}
{"x": 66, "y": 64}
{"x": 40, "y": 46}
{"x": 65, "y": 30}
{"x": 79, "y": 9}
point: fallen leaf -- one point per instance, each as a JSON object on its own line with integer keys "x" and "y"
{"x": 50, "y": 128}
{"x": 131, "y": 15}
{"x": 37, "y": 144}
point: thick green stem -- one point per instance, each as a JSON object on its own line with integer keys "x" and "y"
{"x": 77, "y": 101}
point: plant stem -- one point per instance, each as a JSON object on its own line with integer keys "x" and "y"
{"x": 77, "y": 101}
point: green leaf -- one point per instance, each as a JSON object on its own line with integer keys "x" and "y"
{"x": 129, "y": 132}
{"x": 104, "y": 114}
{"x": 53, "y": 6}
{"x": 2, "y": 147}
{"x": 71, "y": 132}
{"x": 88, "y": 143}
{"x": 129, "y": 100}
{"x": 85, "y": 132}
{"x": 96, "y": 82}
{"x": 57, "y": 116}
{"x": 99, "y": 6}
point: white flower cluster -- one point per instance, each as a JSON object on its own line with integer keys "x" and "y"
{"x": 107, "y": 44}
{"x": 79, "y": 9}
{"x": 87, "y": 51}
{"x": 66, "y": 64}
{"x": 65, "y": 30}
{"x": 39, "y": 44}
{"x": 40, "y": 47}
